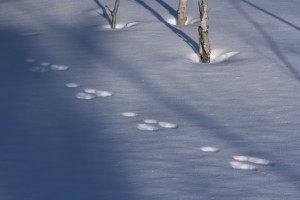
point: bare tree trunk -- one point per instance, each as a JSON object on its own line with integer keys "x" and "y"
{"x": 181, "y": 13}
{"x": 204, "y": 45}
{"x": 114, "y": 14}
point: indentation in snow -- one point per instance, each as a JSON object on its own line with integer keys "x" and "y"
{"x": 258, "y": 161}
{"x": 99, "y": 93}
{"x": 167, "y": 125}
{"x": 192, "y": 20}
{"x": 219, "y": 55}
{"x": 147, "y": 127}
{"x": 210, "y": 149}
{"x": 129, "y": 114}
{"x": 86, "y": 96}
{"x": 59, "y": 67}
{"x": 72, "y": 85}
{"x": 242, "y": 166}
{"x": 189, "y": 21}
{"x": 216, "y": 56}
{"x": 150, "y": 121}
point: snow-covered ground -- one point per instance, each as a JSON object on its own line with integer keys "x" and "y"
{"x": 93, "y": 113}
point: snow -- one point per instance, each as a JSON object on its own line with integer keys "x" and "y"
{"x": 237, "y": 119}
{"x": 209, "y": 149}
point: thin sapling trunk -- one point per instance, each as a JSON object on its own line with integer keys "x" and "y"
{"x": 181, "y": 13}
{"x": 114, "y": 14}
{"x": 204, "y": 45}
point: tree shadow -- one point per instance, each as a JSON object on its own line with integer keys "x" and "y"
{"x": 50, "y": 149}
{"x": 104, "y": 12}
{"x": 169, "y": 8}
{"x": 188, "y": 113}
{"x": 187, "y": 39}
{"x": 272, "y": 15}
{"x": 272, "y": 43}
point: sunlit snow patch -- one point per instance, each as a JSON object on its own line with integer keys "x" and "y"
{"x": 210, "y": 149}
{"x": 167, "y": 125}
{"x": 72, "y": 85}
{"x": 147, "y": 127}
{"x": 129, "y": 114}
{"x": 86, "y": 96}
{"x": 258, "y": 161}
{"x": 216, "y": 56}
{"x": 242, "y": 166}
{"x": 172, "y": 21}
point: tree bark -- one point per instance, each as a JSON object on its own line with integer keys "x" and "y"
{"x": 181, "y": 13}
{"x": 114, "y": 14}
{"x": 204, "y": 45}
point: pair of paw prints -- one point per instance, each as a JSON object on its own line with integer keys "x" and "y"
{"x": 150, "y": 124}
{"x": 42, "y": 67}
{"x": 89, "y": 93}
{"x": 248, "y": 163}
{"x": 241, "y": 162}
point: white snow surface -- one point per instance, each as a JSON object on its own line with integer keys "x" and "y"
{"x": 61, "y": 143}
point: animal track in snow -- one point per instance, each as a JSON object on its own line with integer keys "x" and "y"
{"x": 99, "y": 93}
{"x": 86, "y": 96}
{"x": 91, "y": 93}
{"x": 254, "y": 160}
{"x": 247, "y": 162}
{"x": 242, "y": 166}
{"x": 72, "y": 85}
{"x": 147, "y": 127}
{"x": 129, "y": 114}
{"x": 45, "y": 66}
{"x": 58, "y": 67}
{"x": 209, "y": 149}
{"x": 167, "y": 125}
